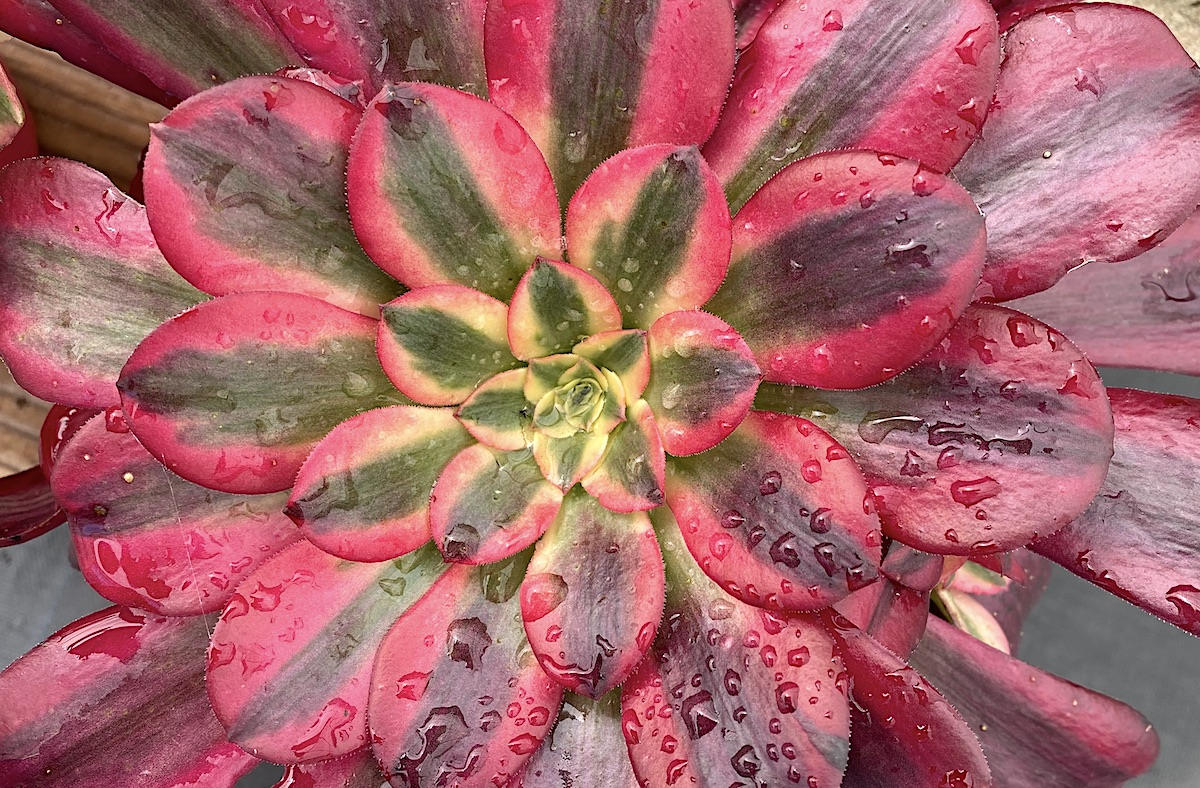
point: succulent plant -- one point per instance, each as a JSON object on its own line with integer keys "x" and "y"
{"x": 504, "y": 398}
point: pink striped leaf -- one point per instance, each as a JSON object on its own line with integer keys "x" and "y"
{"x": 584, "y": 749}
{"x": 39, "y": 23}
{"x": 1001, "y": 434}
{"x": 750, "y": 16}
{"x": 290, "y": 662}
{"x": 185, "y": 46}
{"x": 1143, "y": 313}
{"x": 419, "y": 40}
{"x": 631, "y": 475}
{"x": 148, "y": 539}
{"x": 1136, "y": 540}
{"x": 438, "y": 343}
{"x": 593, "y": 595}
{"x": 60, "y": 425}
{"x": 489, "y": 505}
{"x": 910, "y": 79}
{"x": 848, "y": 267}
{"x": 235, "y": 393}
{"x": 1035, "y": 728}
{"x": 354, "y": 771}
{"x": 81, "y": 281}
{"x": 702, "y": 381}
{"x": 555, "y": 307}
{"x": 497, "y": 413}
{"x": 446, "y": 188}
{"x": 903, "y": 731}
{"x": 363, "y": 494}
{"x": 731, "y": 693}
{"x": 652, "y": 225}
{"x": 1092, "y": 148}
{"x": 892, "y": 614}
{"x": 243, "y": 193}
{"x": 457, "y": 697}
{"x": 156, "y": 729}
{"x": 587, "y": 80}
{"x": 775, "y": 514}
{"x": 27, "y": 507}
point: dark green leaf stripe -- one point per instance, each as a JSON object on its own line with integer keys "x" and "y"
{"x": 444, "y": 348}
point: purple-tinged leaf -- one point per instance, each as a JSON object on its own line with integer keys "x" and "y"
{"x": 354, "y": 771}
{"x": 438, "y": 343}
{"x": 1092, "y": 148}
{"x": 489, "y": 505}
{"x": 81, "y": 281}
{"x": 891, "y": 613}
{"x": 731, "y": 693}
{"x": 631, "y": 475}
{"x": 911, "y": 567}
{"x": 1035, "y": 728}
{"x": 584, "y": 748}
{"x": 60, "y": 425}
{"x": 363, "y": 494}
{"x": 185, "y": 46}
{"x": 1143, "y": 313}
{"x": 115, "y": 699}
{"x": 590, "y": 80}
{"x": 457, "y": 697}
{"x": 1001, "y": 434}
{"x": 1136, "y": 539}
{"x": 593, "y": 595}
{"x": 848, "y": 267}
{"x": 904, "y": 732}
{"x": 910, "y": 79}
{"x": 39, "y": 23}
{"x": 204, "y": 393}
{"x": 419, "y": 40}
{"x": 652, "y": 225}
{"x": 702, "y": 381}
{"x": 27, "y": 507}
{"x": 290, "y": 662}
{"x": 777, "y": 514}
{"x": 446, "y": 188}
{"x": 243, "y": 193}
{"x": 149, "y": 539}
{"x": 555, "y": 307}
{"x": 750, "y": 16}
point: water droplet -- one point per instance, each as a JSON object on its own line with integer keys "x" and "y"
{"x": 831, "y": 24}
{"x": 467, "y": 640}
{"x": 770, "y": 484}
{"x": 970, "y": 492}
{"x": 541, "y": 594}
{"x": 810, "y": 471}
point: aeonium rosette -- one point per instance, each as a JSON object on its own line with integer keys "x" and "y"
{"x": 456, "y": 407}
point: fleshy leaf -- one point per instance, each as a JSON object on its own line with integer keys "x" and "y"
{"x": 733, "y": 694}
{"x": 1092, "y": 149}
{"x": 1150, "y": 307}
{"x": 224, "y": 39}
{"x": 565, "y": 461}
{"x": 627, "y": 353}
{"x": 750, "y": 16}
{"x": 242, "y": 194}
{"x": 904, "y": 731}
{"x": 81, "y": 281}
{"x": 12, "y": 114}
{"x": 457, "y": 696}
{"x": 1035, "y": 728}
{"x": 555, "y": 307}
{"x": 910, "y": 79}
{"x": 290, "y": 660}
{"x": 652, "y": 225}
{"x": 1136, "y": 539}
{"x": 60, "y": 425}
{"x": 372, "y": 41}
{"x": 584, "y": 748}
{"x": 148, "y": 539}
{"x": 354, "y": 771}
{"x": 489, "y": 505}
{"x": 147, "y": 675}
{"x": 590, "y": 80}
{"x": 497, "y": 413}
{"x": 1001, "y": 434}
{"x": 1011, "y": 606}
{"x": 203, "y": 391}
{"x": 446, "y": 188}
{"x": 438, "y": 343}
{"x": 913, "y": 568}
{"x": 965, "y": 612}
{"x": 593, "y": 595}
{"x": 775, "y": 514}
{"x": 702, "y": 381}
{"x": 848, "y": 267}
{"x": 631, "y": 476}
{"x": 363, "y": 494}
{"x": 892, "y": 614}
{"x": 27, "y": 507}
